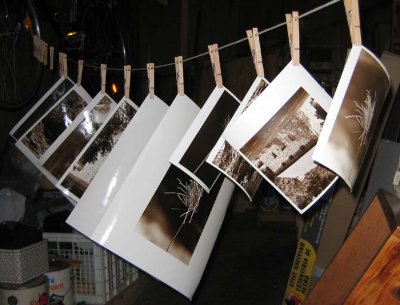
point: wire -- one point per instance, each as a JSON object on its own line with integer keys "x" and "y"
{"x": 317, "y": 9}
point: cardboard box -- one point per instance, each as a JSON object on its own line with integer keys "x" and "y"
{"x": 383, "y": 170}
{"x": 301, "y": 274}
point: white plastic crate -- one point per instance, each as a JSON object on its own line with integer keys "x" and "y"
{"x": 100, "y": 276}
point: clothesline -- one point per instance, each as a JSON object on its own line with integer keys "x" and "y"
{"x": 317, "y": 9}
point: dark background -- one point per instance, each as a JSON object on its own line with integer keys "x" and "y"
{"x": 251, "y": 261}
{"x": 158, "y": 30}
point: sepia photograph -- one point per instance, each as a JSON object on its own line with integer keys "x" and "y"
{"x": 280, "y": 150}
{"x": 71, "y": 146}
{"x": 305, "y": 181}
{"x": 287, "y": 136}
{"x": 235, "y": 167}
{"x": 53, "y": 124}
{"x": 228, "y": 160}
{"x": 88, "y": 164}
{"x": 57, "y": 91}
{"x": 205, "y": 138}
{"x": 177, "y": 214}
{"x": 357, "y": 104}
{"x": 261, "y": 86}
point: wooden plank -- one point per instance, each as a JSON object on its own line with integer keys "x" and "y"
{"x": 356, "y": 254}
{"x": 380, "y": 283}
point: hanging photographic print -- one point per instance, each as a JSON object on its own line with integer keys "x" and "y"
{"x": 227, "y": 160}
{"x": 278, "y": 131}
{"x": 356, "y": 106}
{"x": 191, "y": 153}
{"x": 101, "y": 191}
{"x": 177, "y": 213}
{"x": 82, "y": 171}
{"x": 137, "y": 214}
{"x": 67, "y": 147}
{"x": 37, "y": 140}
{"x": 58, "y": 90}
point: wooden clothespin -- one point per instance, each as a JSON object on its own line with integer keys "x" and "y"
{"x": 51, "y": 53}
{"x": 80, "y": 70}
{"x": 353, "y": 20}
{"x": 51, "y": 59}
{"x": 35, "y": 45}
{"x": 127, "y": 78}
{"x": 292, "y": 22}
{"x": 255, "y": 48}
{"x": 39, "y": 50}
{"x": 60, "y": 64}
{"x": 103, "y": 73}
{"x": 63, "y": 64}
{"x": 150, "y": 76}
{"x": 179, "y": 75}
{"x": 45, "y": 51}
{"x": 214, "y": 56}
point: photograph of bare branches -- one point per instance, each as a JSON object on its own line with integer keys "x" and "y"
{"x": 194, "y": 158}
{"x": 65, "y": 154}
{"x": 87, "y": 166}
{"x": 177, "y": 214}
{"x": 256, "y": 93}
{"x": 282, "y": 141}
{"x": 353, "y": 126}
{"x": 43, "y": 105}
{"x": 53, "y": 124}
{"x": 231, "y": 163}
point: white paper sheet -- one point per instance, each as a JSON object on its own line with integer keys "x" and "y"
{"x": 82, "y": 171}
{"x": 227, "y": 160}
{"x": 192, "y": 151}
{"x": 117, "y": 230}
{"x": 59, "y": 89}
{"x": 116, "y": 168}
{"x": 278, "y": 129}
{"x": 356, "y": 106}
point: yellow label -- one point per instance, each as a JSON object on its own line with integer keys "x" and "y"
{"x": 300, "y": 274}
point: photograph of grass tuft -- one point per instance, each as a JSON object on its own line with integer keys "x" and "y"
{"x": 357, "y": 106}
{"x": 177, "y": 214}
